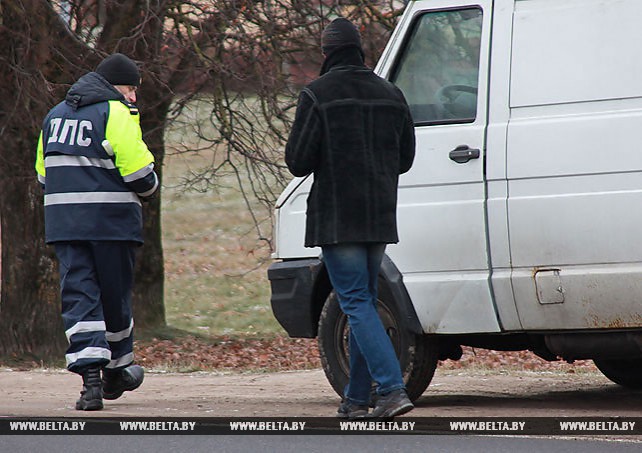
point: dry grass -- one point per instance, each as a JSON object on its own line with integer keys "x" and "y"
{"x": 215, "y": 267}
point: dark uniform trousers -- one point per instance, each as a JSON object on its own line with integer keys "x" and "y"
{"x": 96, "y": 280}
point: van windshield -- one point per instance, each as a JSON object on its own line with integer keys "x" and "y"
{"x": 439, "y": 66}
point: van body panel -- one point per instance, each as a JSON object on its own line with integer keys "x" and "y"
{"x": 575, "y": 50}
{"x": 574, "y": 175}
{"x": 290, "y": 221}
{"x": 595, "y": 297}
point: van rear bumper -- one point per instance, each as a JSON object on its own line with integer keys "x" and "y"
{"x": 292, "y": 283}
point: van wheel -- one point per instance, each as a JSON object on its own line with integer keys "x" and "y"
{"x": 625, "y": 372}
{"x": 418, "y": 354}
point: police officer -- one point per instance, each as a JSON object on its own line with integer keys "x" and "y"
{"x": 96, "y": 170}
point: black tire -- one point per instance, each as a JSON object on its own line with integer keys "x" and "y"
{"x": 625, "y": 372}
{"x": 418, "y": 354}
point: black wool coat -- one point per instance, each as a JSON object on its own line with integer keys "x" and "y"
{"x": 352, "y": 130}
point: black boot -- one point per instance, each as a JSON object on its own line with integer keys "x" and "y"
{"x": 116, "y": 382}
{"x": 91, "y": 395}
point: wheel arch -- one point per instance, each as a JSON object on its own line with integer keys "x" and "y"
{"x": 320, "y": 293}
{"x": 394, "y": 281}
{"x": 392, "y": 278}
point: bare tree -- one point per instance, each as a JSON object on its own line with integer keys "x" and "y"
{"x": 238, "y": 64}
{"x": 254, "y": 66}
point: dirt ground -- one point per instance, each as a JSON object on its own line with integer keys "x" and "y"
{"x": 456, "y": 393}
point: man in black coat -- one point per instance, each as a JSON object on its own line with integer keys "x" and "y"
{"x": 353, "y": 130}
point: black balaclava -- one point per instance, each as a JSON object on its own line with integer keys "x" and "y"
{"x": 339, "y": 36}
{"x": 340, "y": 33}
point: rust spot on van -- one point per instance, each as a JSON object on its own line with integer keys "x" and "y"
{"x": 617, "y": 322}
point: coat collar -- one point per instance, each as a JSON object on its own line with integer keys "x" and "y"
{"x": 343, "y": 56}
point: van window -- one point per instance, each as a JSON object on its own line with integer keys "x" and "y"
{"x": 439, "y": 67}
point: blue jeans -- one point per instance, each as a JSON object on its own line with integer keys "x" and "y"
{"x": 353, "y": 269}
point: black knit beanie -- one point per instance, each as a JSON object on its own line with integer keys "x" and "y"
{"x": 119, "y": 69}
{"x": 340, "y": 33}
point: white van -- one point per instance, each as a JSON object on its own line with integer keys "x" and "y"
{"x": 520, "y": 220}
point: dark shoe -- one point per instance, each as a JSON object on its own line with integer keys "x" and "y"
{"x": 91, "y": 395}
{"x": 393, "y": 404}
{"x": 351, "y": 411}
{"x": 115, "y": 383}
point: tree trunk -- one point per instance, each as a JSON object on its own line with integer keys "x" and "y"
{"x": 149, "y": 308}
{"x": 30, "y": 322}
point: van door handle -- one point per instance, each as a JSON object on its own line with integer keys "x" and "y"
{"x": 463, "y": 154}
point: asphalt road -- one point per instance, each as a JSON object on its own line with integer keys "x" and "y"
{"x": 308, "y": 444}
